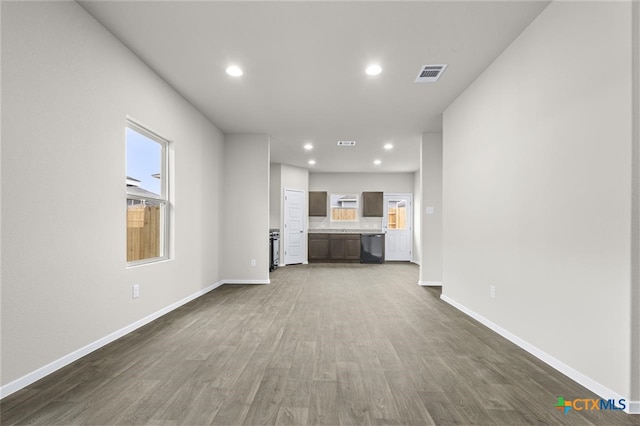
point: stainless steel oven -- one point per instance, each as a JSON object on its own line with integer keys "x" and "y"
{"x": 274, "y": 249}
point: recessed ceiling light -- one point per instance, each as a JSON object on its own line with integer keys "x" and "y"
{"x": 234, "y": 71}
{"x": 312, "y": 162}
{"x": 373, "y": 69}
{"x": 377, "y": 162}
{"x": 388, "y": 146}
{"x": 308, "y": 146}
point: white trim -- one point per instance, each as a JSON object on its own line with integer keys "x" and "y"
{"x": 430, "y": 283}
{"x": 563, "y": 368}
{"x": 246, "y": 281}
{"x": 41, "y": 372}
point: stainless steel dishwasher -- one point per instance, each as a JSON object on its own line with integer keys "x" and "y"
{"x": 372, "y": 248}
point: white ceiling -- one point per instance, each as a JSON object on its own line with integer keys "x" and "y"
{"x": 304, "y": 64}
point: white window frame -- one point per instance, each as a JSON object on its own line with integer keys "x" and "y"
{"x": 163, "y": 199}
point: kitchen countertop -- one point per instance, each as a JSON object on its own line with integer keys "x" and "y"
{"x": 345, "y": 231}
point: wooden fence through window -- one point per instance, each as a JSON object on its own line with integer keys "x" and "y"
{"x": 397, "y": 218}
{"x": 143, "y": 232}
{"x": 342, "y": 213}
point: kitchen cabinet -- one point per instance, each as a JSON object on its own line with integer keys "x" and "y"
{"x": 372, "y": 204}
{"x": 334, "y": 247}
{"x": 318, "y": 247}
{"x": 317, "y": 203}
{"x": 352, "y": 248}
{"x": 344, "y": 247}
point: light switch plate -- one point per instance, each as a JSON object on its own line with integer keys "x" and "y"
{"x": 429, "y": 210}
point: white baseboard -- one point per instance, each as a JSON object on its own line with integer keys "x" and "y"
{"x": 41, "y": 372}
{"x": 246, "y": 281}
{"x": 430, "y": 283}
{"x": 587, "y": 382}
{"x": 293, "y": 264}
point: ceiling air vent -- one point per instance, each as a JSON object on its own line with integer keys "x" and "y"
{"x": 346, "y": 143}
{"x": 430, "y": 73}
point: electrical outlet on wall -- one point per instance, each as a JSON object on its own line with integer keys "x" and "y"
{"x": 253, "y": 262}
{"x": 492, "y": 291}
{"x": 136, "y": 291}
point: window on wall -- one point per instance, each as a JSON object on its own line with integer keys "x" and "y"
{"x": 397, "y": 214}
{"x": 147, "y": 195}
{"x": 344, "y": 208}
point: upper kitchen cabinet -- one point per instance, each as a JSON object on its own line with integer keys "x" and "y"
{"x": 372, "y": 204}
{"x": 318, "y": 203}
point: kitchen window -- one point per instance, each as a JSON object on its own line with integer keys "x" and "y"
{"x": 147, "y": 195}
{"x": 344, "y": 208}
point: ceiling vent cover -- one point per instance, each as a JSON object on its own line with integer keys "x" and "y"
{"x": 430, "y": 73}
{"x": 346, "y": 143}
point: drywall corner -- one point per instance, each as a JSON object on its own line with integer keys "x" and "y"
{"x": 245, "y": 204}
{"x": 431, "y": 208}
{"x": 634, "y": 407}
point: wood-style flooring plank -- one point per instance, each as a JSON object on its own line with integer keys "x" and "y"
{"x": 353, "y": 408}
{"x": 297, "y": 390}
{"x": 242, "y": 391}
{"x": 269, "y": 395}
{"x": 292, "y": 416}
{"x": 324, "y": 404}
{"x": 411, "y": 410}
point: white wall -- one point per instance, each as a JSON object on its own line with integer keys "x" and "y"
{"x": 275, "y": 198}
{"x": 416, "y": 253}
{"x": 245, "y": 209}
{"x": 68, "y": 86}
{"x": 294, "y": 178}
{"x": 431, "y": 230}
{"x": 356, "y": 183}
{"x": 537, "y": 192}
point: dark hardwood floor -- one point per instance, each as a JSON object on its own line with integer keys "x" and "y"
{"x": 323, "y": 344}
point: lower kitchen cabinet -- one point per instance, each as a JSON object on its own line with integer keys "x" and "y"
{"x": 352, "y": 249}
{"x": 318, "y": 247}
{"x": 334, "y": 247}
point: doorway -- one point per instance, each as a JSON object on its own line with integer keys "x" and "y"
{"x": 294, "y": 226}
{"x": 398, "y": 225}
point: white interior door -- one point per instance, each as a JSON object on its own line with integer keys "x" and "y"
{"x": 294, "y": 226}
{"x": 398, "y": 226}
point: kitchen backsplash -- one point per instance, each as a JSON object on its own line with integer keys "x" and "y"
{"x": 374, "y": 223}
